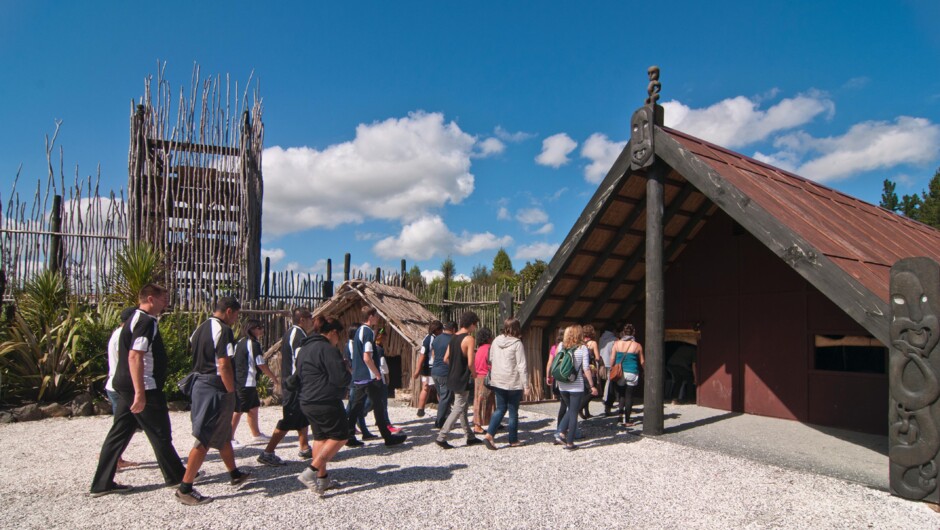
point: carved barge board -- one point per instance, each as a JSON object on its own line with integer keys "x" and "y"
{"x": 589, "y": 217}
{"x": 845, "y": 291}
{"x": 914, "y": 379}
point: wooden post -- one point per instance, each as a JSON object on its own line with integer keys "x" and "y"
{"x": 328, "y": 283}
{"x": 346, "y": 260}
{"x": 267, "y": 277}
{"x": 54, "y": 256}
{"x": 505, "y": 307}
{"x": 378, "y": 274}
{"x": 655, "y": 332}
{"x": 404, "y": 282}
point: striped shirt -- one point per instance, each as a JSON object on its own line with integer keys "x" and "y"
{"x": 248, "y": 357}
{"x": 582, "y": 359}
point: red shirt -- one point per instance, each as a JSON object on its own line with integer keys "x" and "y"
{"x": 481, "y": 361}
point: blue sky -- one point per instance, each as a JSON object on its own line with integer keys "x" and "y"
{"x": 419, "y": 130}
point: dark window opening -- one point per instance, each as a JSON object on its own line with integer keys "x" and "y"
{"x": 846, "y": 353}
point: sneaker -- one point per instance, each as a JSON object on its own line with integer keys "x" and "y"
{"x": 236, "y": 444}
{"x": 370, "y": 436}
{"x": 270, "y": 459}
{"x": 443, "y": 444}
{"x": 395, "y": 439}
{"x": 324, "y": 484}
{"x": 305, "y": 453}
{"x": 473, "y": 440}
{"x": 261, "y": 439}
{"x": 115, "y": 488}
{"x": 241, "y": 479}
{"x": 193, "y": 498}
{"x": 308, "y": 478}
{"x": 420, "y": 413}
{"x": 558, "y": 439}
{"x": 354, "y": 443}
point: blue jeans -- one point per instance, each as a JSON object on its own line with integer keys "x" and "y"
{"x": 445, "y": 398}
{"x": 361, "y": 421}
{"x": 506, "y": 399}
{"x": 562, "y": 410}
{"x": 569, "y": 424}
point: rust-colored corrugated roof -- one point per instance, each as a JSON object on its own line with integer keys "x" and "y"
{"x": 862, "y": 239}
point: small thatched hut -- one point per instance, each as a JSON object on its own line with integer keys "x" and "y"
{"x": 402, "y": 314}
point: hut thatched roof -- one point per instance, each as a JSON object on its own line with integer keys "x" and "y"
{"x": 397, "y": 307}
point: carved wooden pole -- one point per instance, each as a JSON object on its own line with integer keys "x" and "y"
{"x": 346, "y": 260}
{"x": 267, "y": 277}
{"x": 655, "y": 332}
{"x": 643, "y": 158}
{"x": 914, "y": 379}
{"x": 328, "y": 283}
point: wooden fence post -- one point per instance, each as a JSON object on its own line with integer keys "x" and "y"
{"x": 404, "y": 282}
{"x": 267, "y": 278}
{"x": 346, "y": 260}
{"x": 505, "y": 307}
{"x": 328, "y": 283}
{"x": 54, "y": 257}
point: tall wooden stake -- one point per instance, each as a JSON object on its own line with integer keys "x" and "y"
{"x": 655, "y": 299}
{"x": 54, "y": 259}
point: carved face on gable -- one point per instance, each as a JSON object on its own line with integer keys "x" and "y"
{"x": 914, "y": 325}
{"x": 641, "y": 138}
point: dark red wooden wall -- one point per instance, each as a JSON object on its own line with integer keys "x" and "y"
{"x": 758, "y": 319}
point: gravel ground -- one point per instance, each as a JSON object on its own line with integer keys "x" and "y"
{"x": 614, "y": 480}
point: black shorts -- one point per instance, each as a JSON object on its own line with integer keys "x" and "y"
{"x": 293, "y": 419}
{"x": 327, "y": 420}
{"x": 246, "y": 399}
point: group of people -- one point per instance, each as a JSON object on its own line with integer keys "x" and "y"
{"x": 322, "y": 364}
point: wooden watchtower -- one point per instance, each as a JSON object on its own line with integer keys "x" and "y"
{"x": 195, "y": 187}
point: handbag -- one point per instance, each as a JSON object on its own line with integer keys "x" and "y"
{"x": 186, "y": 384}
{"x": 616, "y": 372}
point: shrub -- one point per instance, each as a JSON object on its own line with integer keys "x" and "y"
{"x": 136, "y": 265}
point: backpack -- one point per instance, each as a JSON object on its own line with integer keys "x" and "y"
{"x": 563, "y": 367}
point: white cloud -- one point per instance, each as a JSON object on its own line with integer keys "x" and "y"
{"x": 469, "y": 244}
{"x": 531, "y": 216}
{"x": 97, "y": 215}
{"x": 866, "y": 146}
{"x": 557, "y": 195}
{"x": 602, "y": 153}
{"x": 398, "y": 169}
{"x": 429, "y": 236}
{"x": 367, "y": 236}
{"x": 555, "y": 150}
{"x": 515, "y": 137}
{"x": 543, "y": 251}
{"x": 546, "y": 229}
{"x": 503, "y": 214}
{"x": 857, "y": 83}
{"x": 276, "y": 254}
{"x": 739, "y": 121}
{"x": 461, "y": 278}
{"x": 490, "y": 146}
{"x": 430, "y": 276}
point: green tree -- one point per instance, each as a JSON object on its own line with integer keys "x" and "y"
{"x": 480, "y": 274}
{"x": 910, "y": 207}
{"x": 502, "y": 265}
{"x": 447, "y": 267}
{"x": 930, "y": 202}
{"x": 889, "y": 196}
{"x": 414, "y": 276}
{"x": 531, "y": 272}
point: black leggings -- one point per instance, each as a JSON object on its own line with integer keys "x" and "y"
{"x": 625, "y": 395}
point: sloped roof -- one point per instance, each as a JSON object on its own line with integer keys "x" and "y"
{"x": 842, "y": 245}
{"x": 396, "y": 306}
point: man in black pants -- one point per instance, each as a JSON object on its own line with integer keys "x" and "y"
{"x": 292, "y": 417}
{"x": 213, "y": 397}
{"x": 138, "y": 381}
{"x": 368, "y": 381}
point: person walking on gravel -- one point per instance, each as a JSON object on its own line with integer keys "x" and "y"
{"x": 292, "y": 418}
{"x": 138, "y": 381}
{"x": 509, "y": 380}
{"x": 213, "y": 398}
{"x": 367, "y": 380}
{"x": 324, "y": 376}
{"x": 249, "y": 360}
{"x": 423, "y": 365}
{"x": 459, "y": 358}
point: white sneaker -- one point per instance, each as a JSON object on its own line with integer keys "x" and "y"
{"x": 261, "y": 439}
{"x": 236, "y": 444}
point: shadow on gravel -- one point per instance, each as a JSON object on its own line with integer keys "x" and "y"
{"x": 355, "y": 480}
